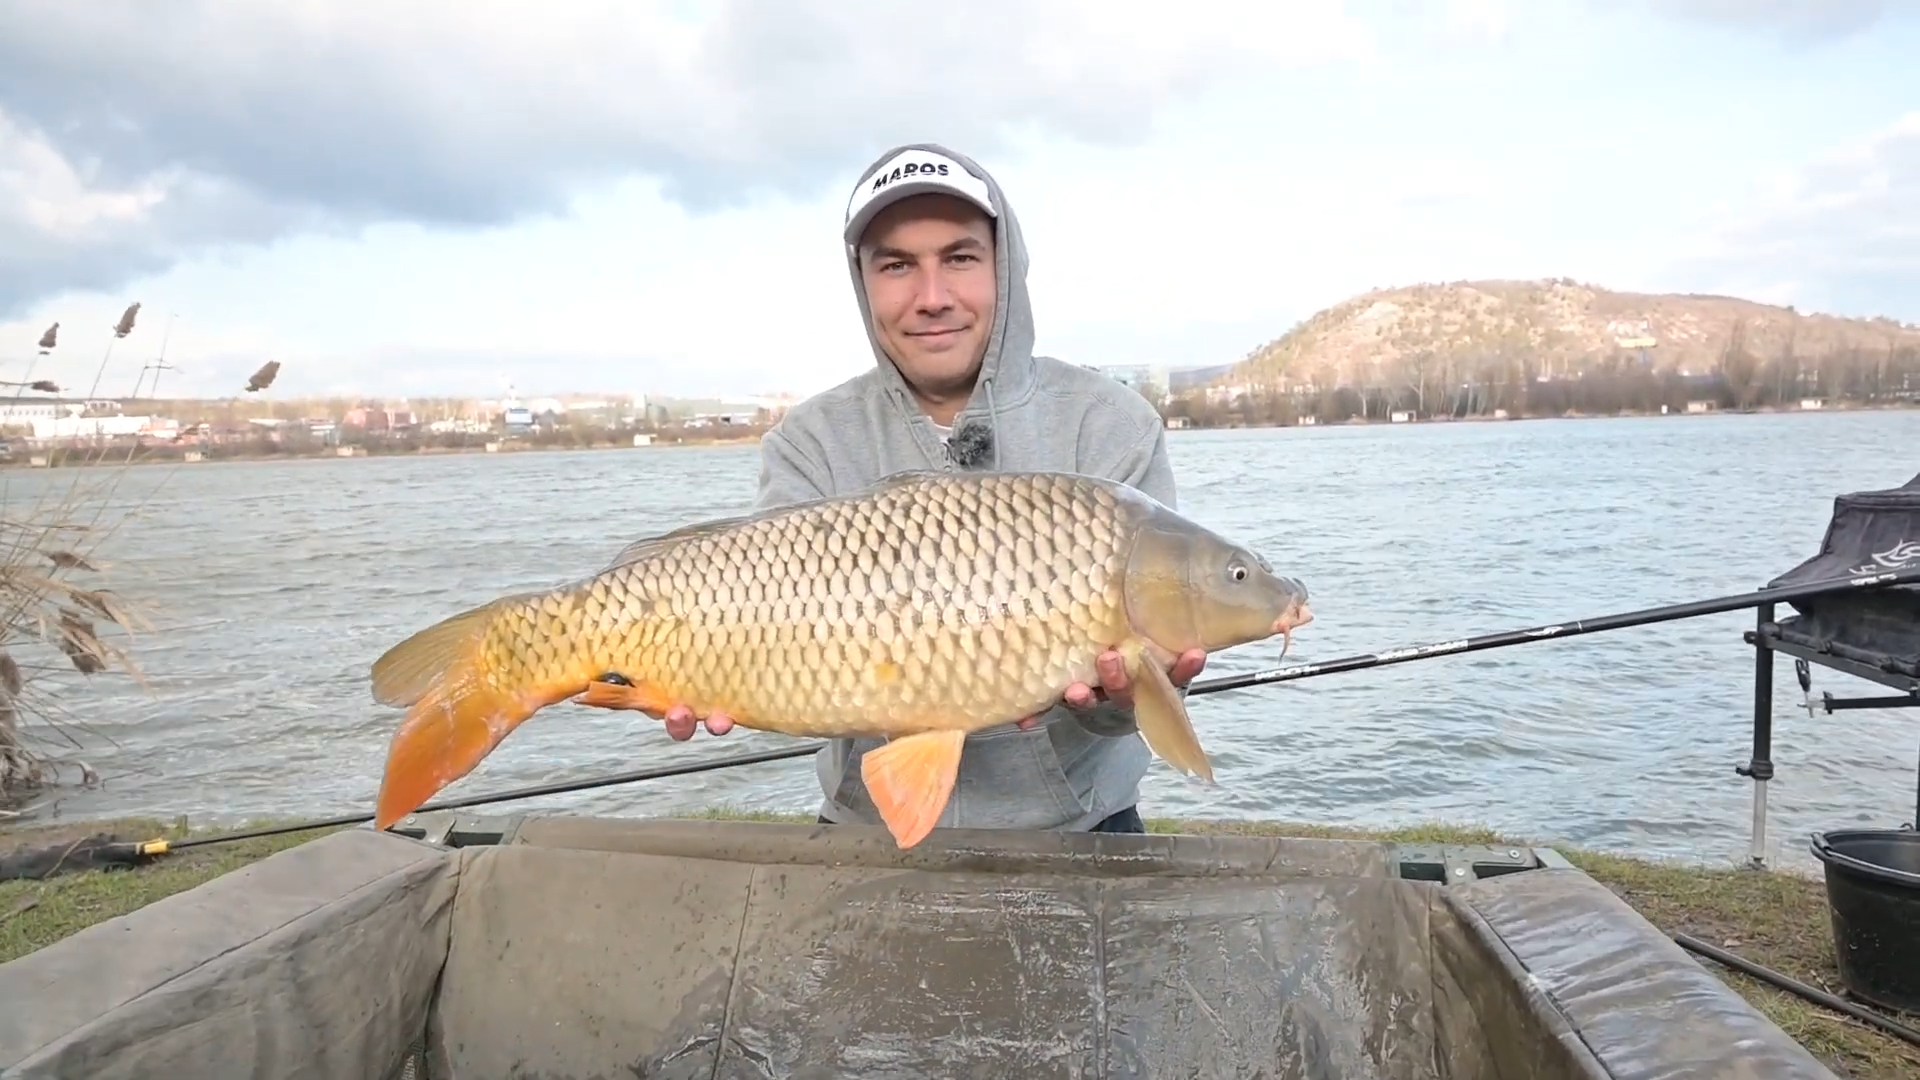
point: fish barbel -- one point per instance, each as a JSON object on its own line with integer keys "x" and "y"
{"x": 931, "y": 606}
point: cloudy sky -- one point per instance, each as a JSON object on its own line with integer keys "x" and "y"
{"x": 445, "y": 196}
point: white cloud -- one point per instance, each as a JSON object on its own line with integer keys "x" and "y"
{"x": 463, "y": 113}
{"x": 444, "y": 197}
{"x": 1841, "y": 231}
{"x": 1812, "y": 21}
{"x": 1484, "y": 18}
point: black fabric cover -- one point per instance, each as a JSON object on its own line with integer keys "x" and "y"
{"x": 1871, "y": 532}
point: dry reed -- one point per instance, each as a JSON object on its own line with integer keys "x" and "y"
{"x": 56, "y": 615}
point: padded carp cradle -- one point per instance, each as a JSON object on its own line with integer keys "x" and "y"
{"x": 567, "y": 948}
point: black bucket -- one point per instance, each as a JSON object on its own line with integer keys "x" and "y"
{"x": 1873, "y": 892}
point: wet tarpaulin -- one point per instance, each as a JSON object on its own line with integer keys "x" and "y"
{"x": 589, "y": 948}
{"x": 1870, "y": 532}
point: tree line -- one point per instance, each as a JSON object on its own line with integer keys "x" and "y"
{"x": 1461, "y": 386}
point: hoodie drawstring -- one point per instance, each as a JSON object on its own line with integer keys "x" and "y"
{"x": 993, "y": 422}
{"x": 912, "y": 409}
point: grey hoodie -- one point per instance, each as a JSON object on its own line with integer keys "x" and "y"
{"x": 1073, "y": 769}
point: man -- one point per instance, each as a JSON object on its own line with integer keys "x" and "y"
{"x": 940, "y": 274}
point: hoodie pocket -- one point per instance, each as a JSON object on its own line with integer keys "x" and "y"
{"x": 1009, "y": 779}
{"x": 848, "y": 791}
{"x": 1014, "y": 779}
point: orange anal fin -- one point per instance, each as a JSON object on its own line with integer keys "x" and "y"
{"x": 446, "y": 734}
{"x": 911, "y": 779}
{"x": 640, "y": 697}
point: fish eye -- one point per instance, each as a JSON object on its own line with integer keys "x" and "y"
{"x": 1237, "y": 572}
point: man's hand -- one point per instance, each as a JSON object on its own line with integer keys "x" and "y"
{"x": 681, "y": 724}
{"x": 1115, "y": 687}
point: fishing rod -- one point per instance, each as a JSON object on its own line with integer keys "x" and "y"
{"x": 101, "y": 851}
{"x": 152, "y": 848}
{"x": 1553, "y": 631}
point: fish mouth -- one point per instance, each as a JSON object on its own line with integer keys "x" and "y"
{"x": 1298, "y": 614}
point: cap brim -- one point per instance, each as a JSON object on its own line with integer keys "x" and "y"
{"x": 903, "y": 190}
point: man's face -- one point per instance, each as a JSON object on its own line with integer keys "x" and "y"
{"x": 927, "y": 263}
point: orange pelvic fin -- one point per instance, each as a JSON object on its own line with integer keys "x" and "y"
{"x": 457, "y": 713}
{"x": 911, "y": 779}
{"x": 640, "y": 697}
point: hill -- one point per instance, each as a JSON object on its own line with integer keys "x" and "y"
{"x": 1416, "y": 340}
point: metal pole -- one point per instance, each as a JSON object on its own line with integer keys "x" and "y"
{"x": 1760, "y": 766}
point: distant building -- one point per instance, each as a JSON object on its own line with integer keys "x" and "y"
{"x": 25, "y": 410}
{"x": 1163, "y": 379}
{"x": 43, "y": 419}
{"x": 378, "y": 419}
{"x": 1179, "y": 379}
{"x": 729, "y": 414}
{"x": 711, "y": 412}
{"x": 1147, "y": 379}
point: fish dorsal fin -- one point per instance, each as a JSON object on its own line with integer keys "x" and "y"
{"x": 905, "y": 476}
{"x": 648, "y": 545}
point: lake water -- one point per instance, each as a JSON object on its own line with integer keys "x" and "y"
{"x": 273, "y": 586}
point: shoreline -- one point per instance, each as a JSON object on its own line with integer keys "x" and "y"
{"x": 1776, "y": 918}
{"x": 116, "y": 458}
{"x": 167, "y": 455}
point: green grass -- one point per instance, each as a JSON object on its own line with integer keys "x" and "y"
{"x": 1777, "y": 919}
{"x": 34, "y": 914}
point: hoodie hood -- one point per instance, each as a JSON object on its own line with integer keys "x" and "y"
{"x": 1006, "y": 371}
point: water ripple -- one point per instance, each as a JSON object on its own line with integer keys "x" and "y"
{"x": 295, "y": 575}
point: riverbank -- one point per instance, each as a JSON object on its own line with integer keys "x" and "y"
{"x": 176, "y": 456}
{"x": 169, "y": 455}
{"x": 1777, "y": 919}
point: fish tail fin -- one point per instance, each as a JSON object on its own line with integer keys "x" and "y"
{"x": 910, "y": 780}
{"x": 1161, "y": 716}
{"x": 458, "y": 708}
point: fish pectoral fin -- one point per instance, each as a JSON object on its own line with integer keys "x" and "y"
{"x": 1161, "y": 716}
{"x": 640, "y": 697}
{"x": 911, "y": 779}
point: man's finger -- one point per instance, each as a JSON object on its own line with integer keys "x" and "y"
{"x": 1114, "y": 684}
{"x": 719, "y": 724}
{"x": 679, "y": 722}
{"x": 1079, "y": 696}
{"x": 1188, "y": 667}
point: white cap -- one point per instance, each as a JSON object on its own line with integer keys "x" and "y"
{"x": 912, "y": 172}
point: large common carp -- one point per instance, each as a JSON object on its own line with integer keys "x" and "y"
{"x": 933, "y": 605}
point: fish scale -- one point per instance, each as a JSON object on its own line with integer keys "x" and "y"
{"x": 900, "y": 614}
{"x": 932, "y": 606}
